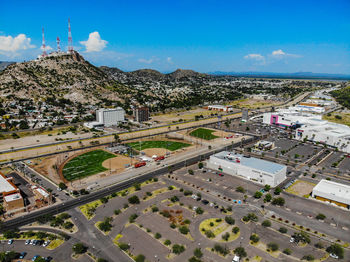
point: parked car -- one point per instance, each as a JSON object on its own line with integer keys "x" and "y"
{"x": 333, "y": 255}
{"x": 35, "y": 257}
{"x": 10, "y": 241}
{"x": 27, "y": 242}
{"x": 22, "y": 255}
{"x": 292, "y": 240}
{"x": 46, "y": 243}
{"x": 32, "y": 241}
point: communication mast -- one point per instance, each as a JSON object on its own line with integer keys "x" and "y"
{"x": 70, "y": 40}
{"x": 58, "y": 44}
{"x": 43, "y": 45}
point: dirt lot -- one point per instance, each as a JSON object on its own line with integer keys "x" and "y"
{"x": 301, "y": 188}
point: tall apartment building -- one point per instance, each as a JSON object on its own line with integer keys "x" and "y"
{"x": 110, "y": 116}
{"x": 141, "y": 114}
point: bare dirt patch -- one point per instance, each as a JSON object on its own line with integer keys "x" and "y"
{"x": 301, "y": 188}
{"x": 116, "y": 164}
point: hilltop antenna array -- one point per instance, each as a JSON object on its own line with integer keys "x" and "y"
{"x": 58, "y": 44}
{"x": 43, "y": 44}
{"x": 70, "y": 40}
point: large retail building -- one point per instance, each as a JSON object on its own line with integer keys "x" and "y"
{"x": 254, "y": 169}
{"x": 332, "y": 192}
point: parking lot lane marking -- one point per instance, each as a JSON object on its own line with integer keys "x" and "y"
{"x": 299, "y": 213}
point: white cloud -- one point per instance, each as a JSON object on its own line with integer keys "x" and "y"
{"x": 169, "y": 60}
{"x": 280, "y": 54}
{"x": 94, "y": 43}
{"x": 256, "y": 57}
{"x": 146, "y": 61}
{"x": 47, "y": 48}
{"x": 10, "y": 45}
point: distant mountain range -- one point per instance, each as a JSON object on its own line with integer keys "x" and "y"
{"x": 4, "y": 64}
{"x": 298, "y": 75}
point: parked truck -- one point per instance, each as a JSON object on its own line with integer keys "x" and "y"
{"x": 140, "y": 164}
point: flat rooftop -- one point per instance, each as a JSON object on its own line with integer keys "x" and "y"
{"x": 333, "y": 188}
{"x": 5, "y": 185}
{"x": 252, "y": 162}
{"x": 12, "y": 197}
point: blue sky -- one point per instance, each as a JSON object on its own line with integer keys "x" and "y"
{"x": 203, "y": 35}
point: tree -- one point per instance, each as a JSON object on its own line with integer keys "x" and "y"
{"x": 140, "y": 258}
{"x": 194, "y": 259}
{"x": 277, "y": 191}
{"x": 62, "y": 186}
{"x": 220, "y": 249}
{"x": 301, "y": 236}
{"x": 198, "y": 253}
{"x": 258, "y": 194}
{"x": 240, "y": 189}
{"x": 104, "y": 200}
{"x": 235, "y": 230}
{"x": 79, "y": 248}
{"x": 320, "y": 216}
{"x": 266, "y": 223}
{"x": 157, "y": 235}
{"x": 134, "y": 200}
{"x": 123, "y": 246}
{"x": 167, "y": 242}
{"x": 178, "y": 249}
{"x": 137, "y": 186}
{"x": 279, "y": 201}
{"x": 200, "y": 165}
{"x": 267, "y": 187}
{"x": 240, "y": 251}
{"x": 336, "y": 249}
{"x": 268, "y": 197}
{"x": 226, "y": 236}
{"x": 190, "y": 171}
{"x": 229, "y": 220}
{"x": 132, "y": 218}
{"x": 272, "y": 246}
{"x": 199, "y": 211}
{"x": 184, "y": 230}
{"x": 116, "y": 138}
{"x": 106, "y": 225}
{"x": 209, "y": 234}
{"x": 254, "y": 238}
{"x": 308, "y": 258}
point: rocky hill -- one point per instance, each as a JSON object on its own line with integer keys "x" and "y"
{"x": 4, "y": 64}
{"x": 65, "y": 75}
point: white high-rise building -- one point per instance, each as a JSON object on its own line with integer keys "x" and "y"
{"x": 110, "y": 116}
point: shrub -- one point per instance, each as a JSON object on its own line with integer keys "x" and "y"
{"x": 79, "y": 248}
{"x": 178, "y": 249}
{"x": 106, "y": 225}
{"x": 272, "y": 246}
{"x": 155, "y": 209}
{"x": 240, "y": 189}
{"x": 254, "y": 238}
{"x": 229, "y": 220}
{"x": 174, "y": 199}
{"x": 104, "y": 200}
{"x": 278, "y": 201}
{"x": 199, "y": 211}
{"x": 258, "y": 194}
{"x": 308, "y": 258}
{"x": 190, "y": 171}
{"x": 267, "y": 187}
{"x": 134, "y": 200}
{"x": 320, "y": 216}
{"x": 287, "y": 251}
{"x": 167, "y": 242}
{"x": 220, "y": 249}
{"x": 283, "y": 230}
{"x": 266, "y": 223}
{"x": 198, "y": 253}
{"x": 240, "y": 251}
{"x": 132, "y": 218}
{"x": 209, "y": 234}
{"x": 123, "y": 246}
{"x": 184, "y": 230}
{"x": 172, "y": 225}
{"x": 235, "y": 230}
{"x": 277, "y": 191}
{"x": 226, "y": 236}
{"x": 157, "y": 235}
{"x": 140, "y": 258}
{"x": 187, "y": 192}
{"x": 319, "y": 245}
{"x": 117, "y": 212}
{"x": 267, "y": 198}
{"x": 137, "y": 186}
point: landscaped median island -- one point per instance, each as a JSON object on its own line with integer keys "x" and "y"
{"x": 86, "y": 164}
{"x": 170, "y": 145}
{"x": 219, "y": 229}
{"x": 203, "y": 133}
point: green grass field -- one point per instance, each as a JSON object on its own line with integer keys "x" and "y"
{"x": 170, "y": 145}
{"x": 203, "y": 133}
{"x": 86, "y": 164}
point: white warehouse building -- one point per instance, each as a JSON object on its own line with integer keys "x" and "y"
{"x": 332, "y": 192}
{"x": 110, "y": 116}
{"x": 254, "y": 169}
